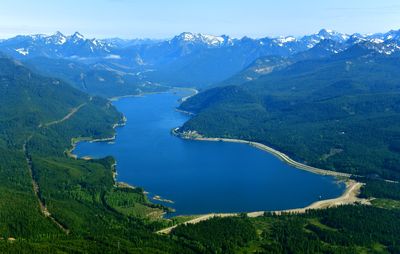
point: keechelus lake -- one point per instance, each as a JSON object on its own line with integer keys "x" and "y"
{"x": 202, "y": 177}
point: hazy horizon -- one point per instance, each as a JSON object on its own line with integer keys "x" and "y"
{"x": 160, "y": 20}
{"x": 167, "y": 38}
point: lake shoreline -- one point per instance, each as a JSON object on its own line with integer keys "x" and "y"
{"x": 278, "y": 154}
{"x": 121, "y": 123}
{"x": 193, "y": 135}
{"x": 194, "y": 90}
{"x": 75, "y": 141}
{"x": 349, "y": 197}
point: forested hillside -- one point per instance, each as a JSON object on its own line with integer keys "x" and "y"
{"x": 49, "y": 201}
{"x": 347, "y": 229}
{"x": 319, "y": 111}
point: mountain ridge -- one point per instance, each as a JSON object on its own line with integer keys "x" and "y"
{"x": 188, "y": 59}
{"x": 208, "y": 39}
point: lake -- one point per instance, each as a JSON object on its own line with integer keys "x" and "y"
{"x": 202, "y": 177}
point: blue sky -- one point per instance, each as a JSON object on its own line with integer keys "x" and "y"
{"x": 165, "y": 18}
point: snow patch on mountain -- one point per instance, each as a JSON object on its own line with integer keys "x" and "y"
{"x": 23, "y": 51}
{"x": 111, "y": 56}
{"x": 286, "y": 39}
{"x": 213, "y": 40}
{"x": 205, "y": 39}
{"x": 76, "y": 45}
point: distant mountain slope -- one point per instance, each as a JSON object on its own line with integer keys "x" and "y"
{"x": 116, "y": 66}
{"x": 88, "y": 64}
{"x": 339, "y": 112}
{"x": 56, "y": 46}
{"x": 200, "y": 60}
{"x": 324, "y": 49}
{"x": 103, "y": 78}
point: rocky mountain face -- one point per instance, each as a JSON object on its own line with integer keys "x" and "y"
{"x": 188, "y": 59}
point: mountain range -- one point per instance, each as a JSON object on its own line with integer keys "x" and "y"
{"x": 76, "y": 45}
{"x": 111, "y": 67}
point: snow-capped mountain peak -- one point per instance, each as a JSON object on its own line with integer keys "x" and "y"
{"x": 186, "y": 36}
{"x": 392, "y": 35}
{"x": 283, "y": 40}
{"x": 209, "y": 40}
{"x": 332, "y": 35}
{"x": 77, "y": 37}
{"x": 61, "y": 46}
{"x": 326, "y": 32}
{"x": 213, "y": 40}
{"x": 58, "y": 38}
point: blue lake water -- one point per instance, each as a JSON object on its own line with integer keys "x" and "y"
{"x": 202, "y": 177}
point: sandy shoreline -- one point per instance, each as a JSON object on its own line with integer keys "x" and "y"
{"x": 195, "y": 91}
{"x": 347, "y": 198}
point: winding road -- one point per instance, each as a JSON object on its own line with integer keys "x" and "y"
{"x": 35, "y": 185}
{"x": 65, "y": 118}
